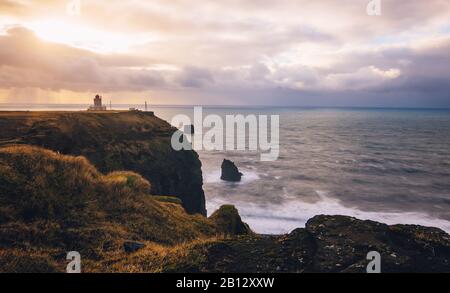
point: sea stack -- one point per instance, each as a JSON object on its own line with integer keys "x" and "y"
{"x": 230, "y": 172}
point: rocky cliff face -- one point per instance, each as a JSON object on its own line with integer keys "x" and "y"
{"x": 134, "y": 141}
{"x": 330, "y": 244}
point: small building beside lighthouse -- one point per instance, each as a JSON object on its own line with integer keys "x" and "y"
{"x": 98, "y": 106}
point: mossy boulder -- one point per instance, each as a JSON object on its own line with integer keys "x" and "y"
{"x": 228, "y": 221}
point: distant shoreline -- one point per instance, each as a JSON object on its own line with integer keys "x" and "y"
{"x": 32, "y": 107}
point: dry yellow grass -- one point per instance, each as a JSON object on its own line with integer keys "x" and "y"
{"x": 54, "y": 203}
{"x": 51, "y": 204}
{"x": 114, "y": 141}
{"x": 157, "y": 258}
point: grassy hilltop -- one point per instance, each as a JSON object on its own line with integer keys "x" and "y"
{"x": 114, "y": 141}
{"x": 51, "y": 204}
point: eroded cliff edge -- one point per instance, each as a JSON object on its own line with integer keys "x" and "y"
{"x": 114, "y": 141}
{"x": 51, "y": 203}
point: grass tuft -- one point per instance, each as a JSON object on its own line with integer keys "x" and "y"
{"x": 55, "y": 203}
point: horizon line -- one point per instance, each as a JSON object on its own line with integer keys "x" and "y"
{"x": 233, "y": 105}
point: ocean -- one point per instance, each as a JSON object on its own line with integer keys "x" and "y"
{"x": 387, "y": 165}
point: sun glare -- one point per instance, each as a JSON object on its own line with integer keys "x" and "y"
{"x": 81, "y": 36}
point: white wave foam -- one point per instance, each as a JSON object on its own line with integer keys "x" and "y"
{"x": 285, "y": 217}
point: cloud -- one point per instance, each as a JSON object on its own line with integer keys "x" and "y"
{"x": 195, "y": 77}
{"x": 363, "y": 78}
{"x": 266, "y": 52}
{"x": 26, "y": 61}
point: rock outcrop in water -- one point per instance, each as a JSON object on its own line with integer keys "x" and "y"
{"x": 114, "y": 141}
{"x": 230, "y": 172}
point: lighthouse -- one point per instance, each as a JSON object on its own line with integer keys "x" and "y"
{"x": 97, "y": 104}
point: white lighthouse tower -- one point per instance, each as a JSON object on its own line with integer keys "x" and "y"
{"x": 97, "y": 104}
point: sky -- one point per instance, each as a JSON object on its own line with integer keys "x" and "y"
{"x": 226, "y": 52}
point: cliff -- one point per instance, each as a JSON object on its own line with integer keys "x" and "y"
{"x": 124, "y": 221}
{"x": 114, "y": 141}
{"x": 51, "y": 204}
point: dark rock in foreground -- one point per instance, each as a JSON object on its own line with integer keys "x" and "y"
{"x": 342, "y": 244}
{"x": 132, "y": 246}
{"x": 229, "y": 222}
{"x": 334, "y": 244}
{"x": 230, "y": 172}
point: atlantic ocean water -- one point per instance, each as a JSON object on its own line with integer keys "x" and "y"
{"x": 387, "y": 165}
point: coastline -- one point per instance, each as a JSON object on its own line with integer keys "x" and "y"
{"x": 154, "y": 221}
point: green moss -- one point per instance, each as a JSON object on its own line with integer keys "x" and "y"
{"x": 169, "y": 199}
{"x": 228, "y": 221}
